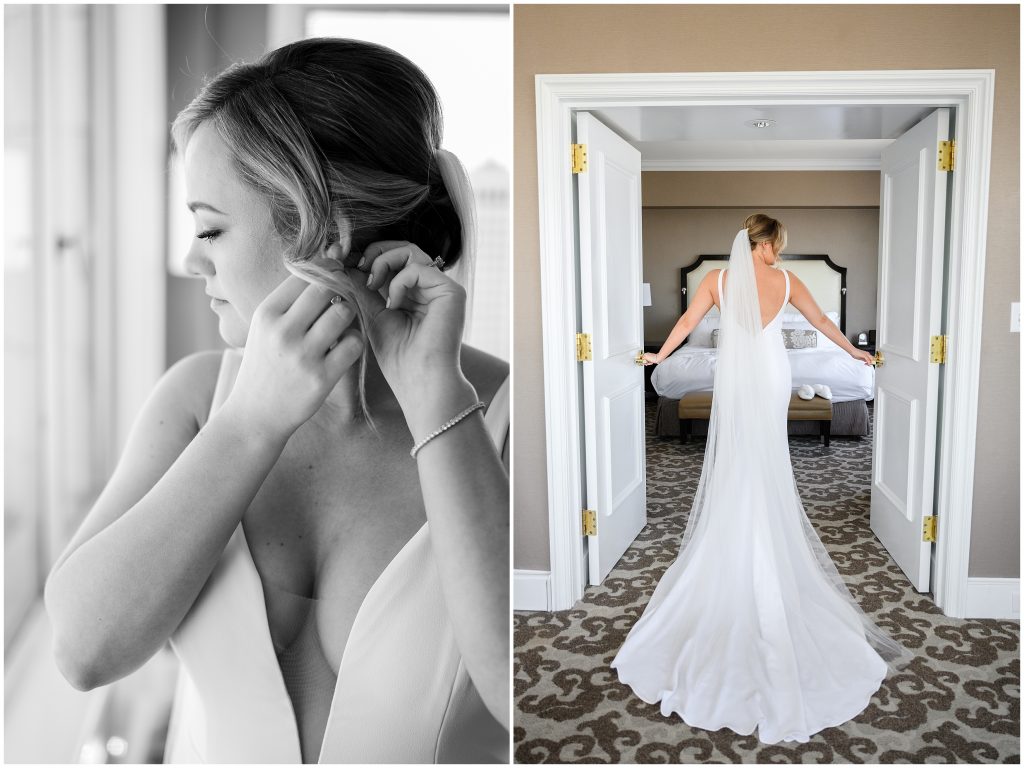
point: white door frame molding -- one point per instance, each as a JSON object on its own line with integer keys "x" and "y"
{"x": 969, "y": 91}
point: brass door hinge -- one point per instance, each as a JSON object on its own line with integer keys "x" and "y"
{"x": 938, "y": 349}
{"x": 947, "y": 155}
{"x": 583, "y": 347}
{"x": 589, "y": 522}
{"x": 929, "y": 528}
{"x": 579, "y": 158}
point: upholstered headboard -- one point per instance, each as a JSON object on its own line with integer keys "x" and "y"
{"x": 825, "y": 279}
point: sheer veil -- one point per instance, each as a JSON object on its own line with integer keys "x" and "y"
{"x": 456, "y": 181}
{"x": 737, "y": 416}
{"x": 747, "y": 468}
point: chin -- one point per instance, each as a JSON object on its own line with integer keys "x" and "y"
{"x": 232, "y": 332}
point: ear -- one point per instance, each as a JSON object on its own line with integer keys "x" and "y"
{"x": 344, "y": 235}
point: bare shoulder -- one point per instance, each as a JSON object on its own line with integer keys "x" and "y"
{"x": 186, "y": 388}
{"x": 484, "y": 371}
{"x": 170, "y": 418}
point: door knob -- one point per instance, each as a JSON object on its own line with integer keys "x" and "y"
{"x": 639, "y": 359}
{"x": 879, "y": 359}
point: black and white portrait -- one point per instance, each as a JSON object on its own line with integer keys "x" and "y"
{"x": 258, "y": 387}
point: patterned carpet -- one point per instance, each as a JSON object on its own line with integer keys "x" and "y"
{"x": 958, "y": 702}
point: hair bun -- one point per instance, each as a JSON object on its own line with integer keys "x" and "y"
{"x": 434, "y": 225}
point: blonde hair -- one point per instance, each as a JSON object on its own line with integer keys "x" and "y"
{"x": 761, "y": 228}
{"x": 327, "y": 129}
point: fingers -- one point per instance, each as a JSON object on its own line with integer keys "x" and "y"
{"x": 281, "y": 298}
{"x": 330, "y": 325}
{"x": 373, "y": 250}
{"x": 370, "y": 302}
{"x": 389, "y": 256}
{"x": 393, "y": 260}
{"x": 309, "y": 305}
{"x": 345, "y": 353}
{"x": 413, "y": 276}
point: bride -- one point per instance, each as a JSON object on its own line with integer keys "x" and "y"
{"x": 317, "y": 518}
{"x": 752, "y": 626}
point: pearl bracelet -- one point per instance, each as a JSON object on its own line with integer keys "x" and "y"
{"x": 447, "y": 425}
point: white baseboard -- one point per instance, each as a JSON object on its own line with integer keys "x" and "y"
{"x": 531, "y": 590}
{"x": 993, "y": 598}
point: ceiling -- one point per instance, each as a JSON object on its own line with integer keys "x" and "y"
{"x": 839, "y": 137}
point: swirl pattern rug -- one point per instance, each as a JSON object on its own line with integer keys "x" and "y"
{"x": 957, "y": 702}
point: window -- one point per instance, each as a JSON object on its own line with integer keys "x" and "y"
{"x": 456, "y": 46}
{"x": 22, "y": 358}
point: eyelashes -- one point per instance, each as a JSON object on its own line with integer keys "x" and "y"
{"x": 208, "y": 235}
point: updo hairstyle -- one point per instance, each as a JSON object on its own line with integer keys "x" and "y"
{"x": 331, "y": 129}
{"x": 761, "y": 228}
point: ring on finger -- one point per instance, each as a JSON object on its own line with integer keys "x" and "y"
{"x": 438, "y": 262}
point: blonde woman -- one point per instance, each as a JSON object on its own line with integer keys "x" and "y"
{"x": 317, "y": 519}
{"x": 752, "y": 628}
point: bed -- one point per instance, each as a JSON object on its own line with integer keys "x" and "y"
{"x": 691, "y": 368}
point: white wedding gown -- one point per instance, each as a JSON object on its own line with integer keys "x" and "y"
{"x": 402, "y": 693}
{"x": 752, "y": 626}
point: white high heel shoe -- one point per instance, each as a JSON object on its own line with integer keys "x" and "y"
{"x": 806, "y": 392}
{"x": 823, "y": 391}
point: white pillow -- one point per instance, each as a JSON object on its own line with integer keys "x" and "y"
{"x": 824, "y": 342}
{"x": 701, "y": 335}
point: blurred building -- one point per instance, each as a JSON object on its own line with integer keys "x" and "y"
{"x": 489, "y": 327}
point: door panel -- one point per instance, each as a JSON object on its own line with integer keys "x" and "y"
{"x": 611, "y": 311}
{"x": 910, "y": 258}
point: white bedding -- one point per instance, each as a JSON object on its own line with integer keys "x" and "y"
{"x": 692, "y": 369}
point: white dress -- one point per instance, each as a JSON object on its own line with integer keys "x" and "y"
{"x": 751, "y": 626}
{"x": 402, "y": 693}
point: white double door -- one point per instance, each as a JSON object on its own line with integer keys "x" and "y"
{"x": 910, "y": 280}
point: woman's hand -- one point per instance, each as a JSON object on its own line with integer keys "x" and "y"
{"x": 415, "y": 315}
{"x": 866, "y": 357}
{"x": 650, "y": 358}
{"x": 299, "y": 346}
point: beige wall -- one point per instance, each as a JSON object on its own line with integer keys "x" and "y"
{"x": 758, "y": 189}
{"x": 675, "y": 237}
{"x": 681, "y": 38}
{"x": 687, "y": 212}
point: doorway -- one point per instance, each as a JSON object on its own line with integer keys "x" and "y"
{"x": 969, "y": 93}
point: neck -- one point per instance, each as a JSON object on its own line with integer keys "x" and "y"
{"x": 341, "y": 409}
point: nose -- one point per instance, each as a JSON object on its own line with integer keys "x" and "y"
{"x": 196, "y": 262}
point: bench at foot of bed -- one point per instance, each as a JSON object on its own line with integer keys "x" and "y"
{"x": 849, "y": 419}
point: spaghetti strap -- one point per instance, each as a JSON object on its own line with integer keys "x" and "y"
{"x": 720, "y": 273}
